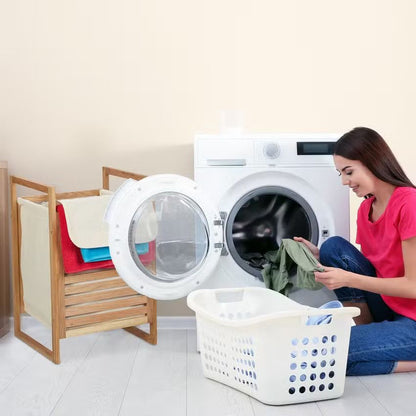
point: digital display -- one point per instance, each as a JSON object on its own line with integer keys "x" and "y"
{"x": 315, "y": 148}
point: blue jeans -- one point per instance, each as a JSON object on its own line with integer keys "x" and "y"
{"x": 374, "y": 348}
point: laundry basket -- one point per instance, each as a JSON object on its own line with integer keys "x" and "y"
{"x": 267, "y": 345}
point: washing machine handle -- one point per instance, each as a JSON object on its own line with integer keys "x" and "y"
{"x": 223, "y": 215}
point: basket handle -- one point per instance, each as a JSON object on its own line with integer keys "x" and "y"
{"x": 349, "y": 310}
{"x": 324, "y": 316}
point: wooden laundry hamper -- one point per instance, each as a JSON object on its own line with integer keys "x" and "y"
{"x": 84, "y": 302}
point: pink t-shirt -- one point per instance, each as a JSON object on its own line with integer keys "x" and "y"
{"x": 381, "y": 241}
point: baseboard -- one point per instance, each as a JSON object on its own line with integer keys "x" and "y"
{"x": 163, "y": 322}
{"x": 176, "y": 322}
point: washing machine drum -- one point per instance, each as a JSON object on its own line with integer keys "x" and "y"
{"x": 165, "y": 237}
{"x": 261, "y": 219}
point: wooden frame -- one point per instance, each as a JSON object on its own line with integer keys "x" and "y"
{"x": 81, "y": 303}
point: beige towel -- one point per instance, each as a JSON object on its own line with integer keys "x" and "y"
{"x": 86, "y": 225}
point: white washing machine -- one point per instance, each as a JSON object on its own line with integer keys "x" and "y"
{"x": 249, "y": 192}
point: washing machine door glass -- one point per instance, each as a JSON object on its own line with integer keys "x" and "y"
{"x": 181, "y": 231}
{"x": 165, "y": 238}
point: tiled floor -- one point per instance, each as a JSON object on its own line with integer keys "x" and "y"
{"x": 115, "y": 373}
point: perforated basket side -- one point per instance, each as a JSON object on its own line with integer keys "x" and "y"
{"x": 229, "y": 355}
{"x": 280, "y": 361}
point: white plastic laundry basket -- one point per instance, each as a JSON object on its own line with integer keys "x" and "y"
{"x": 264, "y": 344}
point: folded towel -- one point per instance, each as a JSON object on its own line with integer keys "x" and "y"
{"x": 90, "y": 255}
{"x": 71, "y": 254}
{"x": 86, "y": 225}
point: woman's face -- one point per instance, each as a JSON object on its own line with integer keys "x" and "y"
{"x": 354, "y": 174}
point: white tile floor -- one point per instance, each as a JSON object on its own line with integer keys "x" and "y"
{"x": 114, "y": 373}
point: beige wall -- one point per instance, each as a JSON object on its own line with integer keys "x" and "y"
{"x": 127, "y": 83}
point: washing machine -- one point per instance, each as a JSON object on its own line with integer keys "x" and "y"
{"x": 248, "y": 193}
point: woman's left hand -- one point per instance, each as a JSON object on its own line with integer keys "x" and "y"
{"x": 333, "y": 278}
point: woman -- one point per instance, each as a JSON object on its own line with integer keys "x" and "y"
{"x": 381, "y": 279}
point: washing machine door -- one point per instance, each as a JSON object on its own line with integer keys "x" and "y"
{"x": 165, "y": 238}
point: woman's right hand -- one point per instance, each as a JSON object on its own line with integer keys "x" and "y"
{"x": 312, "y": 247}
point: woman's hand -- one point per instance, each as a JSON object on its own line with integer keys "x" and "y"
{"x": 333, "y": 278}
{"x": 312, "y": 247}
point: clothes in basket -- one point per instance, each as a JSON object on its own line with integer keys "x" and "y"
{"x": 324, "y": 319}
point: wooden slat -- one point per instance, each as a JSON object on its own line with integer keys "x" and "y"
{"x": 100, "y": 295}
{"x": 78, "y": 194}
{"x": 29, "y": 184}
{"x": 150, "y": 336}
{"x": 105, "y": 316}
{"x": 105, "y": 306}
{"x": 107, "y": 171}
{"x": 64, "y": 195}
{"x": 91, "y": 287}
{"x": 106, "y": 326}
{"x": 55, "y": 267}
{"x": 90, "y": 276}
{"x": 17, "y": 278}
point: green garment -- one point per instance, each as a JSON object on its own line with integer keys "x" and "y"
{"x": 276, "y": 271}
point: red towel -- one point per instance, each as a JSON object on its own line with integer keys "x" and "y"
{"x": 71, "y": 254}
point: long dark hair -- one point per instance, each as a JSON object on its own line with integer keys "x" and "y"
{"x": 367, "y": 146}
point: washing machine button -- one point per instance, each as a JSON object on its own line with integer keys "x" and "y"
{"x": 271, "y": 150}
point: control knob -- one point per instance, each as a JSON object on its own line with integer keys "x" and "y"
{"x": 271, "y": 150}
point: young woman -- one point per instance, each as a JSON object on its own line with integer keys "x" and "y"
{"x": 381, "y": 279}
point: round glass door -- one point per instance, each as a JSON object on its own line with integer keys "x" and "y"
{"x": 180, "y": 237}
{"x": 261, "y": 219}
{"x": 165, "y": 237}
